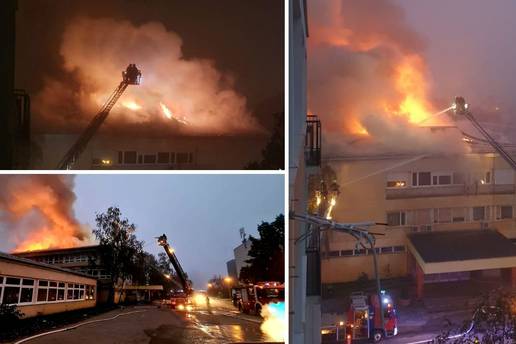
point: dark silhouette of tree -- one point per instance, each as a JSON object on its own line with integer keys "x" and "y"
{"x": 493, "y": 322}
{"x": 267, "y": 254}
{"x": 216, "y": 286}
{"x": 120, "y": 250}
{"x": 273, "y": 155}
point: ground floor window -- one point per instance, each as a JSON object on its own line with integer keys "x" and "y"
{"x": 15, "y": 290}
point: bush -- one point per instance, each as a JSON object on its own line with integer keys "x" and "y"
{"x": 9, "y": 316}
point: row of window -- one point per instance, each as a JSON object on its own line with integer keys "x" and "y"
{"x": 97, "y": 273}
{"x": 15, "y": 290}
{"x": 61, "y": 259}
{"x": 132, "y": 157}
{"x": 364, "y": 252}
{"x": 419, "y": 217}
{"x": 424, "y": 178}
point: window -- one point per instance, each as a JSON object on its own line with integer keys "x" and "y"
{"x": 346, "y": 253}
{"x": 130, "y": 157}
{"x": 424, "y": 178}
{"x": 479, "y": 213}
{"x": 414, "y": 179}
{"x": 398, "y": 249}
{"x": 27, "y": 290}
{"x": 120, "y": 157}
{"x": 163, "y": 157}
{"x": 458, "y": 214}
{"x": 75, "y": 292}
{"x": 90, "y": 292}
{"x": 505, "y": 212}
{"x": 149, "y": 159}
{"x": 444, "y": 180}
{"x": 172, "y": 157}
{"x": 443, "y": 215}
{"x": 182, "y": 158}
{"x": 42, "y": 291}
{"x": 421, "y": 217}
{"x": 396, "y": 218}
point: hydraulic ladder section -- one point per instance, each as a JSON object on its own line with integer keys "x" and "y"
{"x": 461, "y": 108}
{"x": 162, "y": 241}
{"x": 131, "y": 76}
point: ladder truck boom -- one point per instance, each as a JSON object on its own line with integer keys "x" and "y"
{"x": 162, "y": 241}
{"x": 131, "y": 76}
{"x": 461, "y": 108}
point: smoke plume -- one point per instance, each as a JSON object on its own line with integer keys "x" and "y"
{"x": 36, "y": 212}
{"x": 188, "y": 96}
{"x": 368, "y": 80}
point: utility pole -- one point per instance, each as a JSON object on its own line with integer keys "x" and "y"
{"x": 359, "y": 231}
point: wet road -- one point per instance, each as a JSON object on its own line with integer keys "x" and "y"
{"x": 151, "y": 324}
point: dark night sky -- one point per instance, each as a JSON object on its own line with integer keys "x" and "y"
{"x": 243, "y": 38}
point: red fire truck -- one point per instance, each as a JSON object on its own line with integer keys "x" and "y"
{"x": 252, "y": 297}
{"x": 364, "y": 318}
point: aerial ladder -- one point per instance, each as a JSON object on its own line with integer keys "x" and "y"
{"x": 131, "y": 76}
{"x": 460, "y": 107}
{"x": 185, "y": 284}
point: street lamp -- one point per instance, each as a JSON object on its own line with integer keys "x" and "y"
{"x": 228, "y": 281}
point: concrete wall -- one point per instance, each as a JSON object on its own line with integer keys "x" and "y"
{"x": 363, "y": 198}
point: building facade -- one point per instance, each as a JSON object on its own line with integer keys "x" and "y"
{"x": 417, "y": 195}
{"x": 241, "y": 254}
{"x": 84, "y": 259}
{"x": 39, "y": 288}
{"x": 150, "y": 153}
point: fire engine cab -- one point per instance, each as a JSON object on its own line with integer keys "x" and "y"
{"x": 253, "y": 297}
{"x": 364, "y": 319}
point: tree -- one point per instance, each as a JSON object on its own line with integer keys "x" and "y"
{"x": 216, "y": 286}
{"x": 267, "y": 253}
{"x": 493, "y": 322}
{"x": 121, "y": 251}
{"x": 273, "y": 155}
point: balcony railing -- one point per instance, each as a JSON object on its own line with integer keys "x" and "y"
{"x": 449, "y": 190}
{"x": 313, "y": 141}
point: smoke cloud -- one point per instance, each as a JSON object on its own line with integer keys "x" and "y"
{"x": 36, "y": 212}
{"x": 177, "y": 95}
{"x": 368, "y": 80}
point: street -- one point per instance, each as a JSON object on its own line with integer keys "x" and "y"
{"x": 154, "y": 324}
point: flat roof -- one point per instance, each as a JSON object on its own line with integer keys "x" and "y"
{"x": 461, "y": 250}
{"x": 30, "y": 262}
{"x": 444, "y": 246}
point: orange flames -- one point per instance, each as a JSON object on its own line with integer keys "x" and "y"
{"x": 367, "y": 67}
{"x": 194, "y": 86}
{"x": 38, "y": 211}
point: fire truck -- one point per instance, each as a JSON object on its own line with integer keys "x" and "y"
{"x": 181, "y": 299}
{"x": 252, "y": 297}
{"x": 364, "y": 319}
